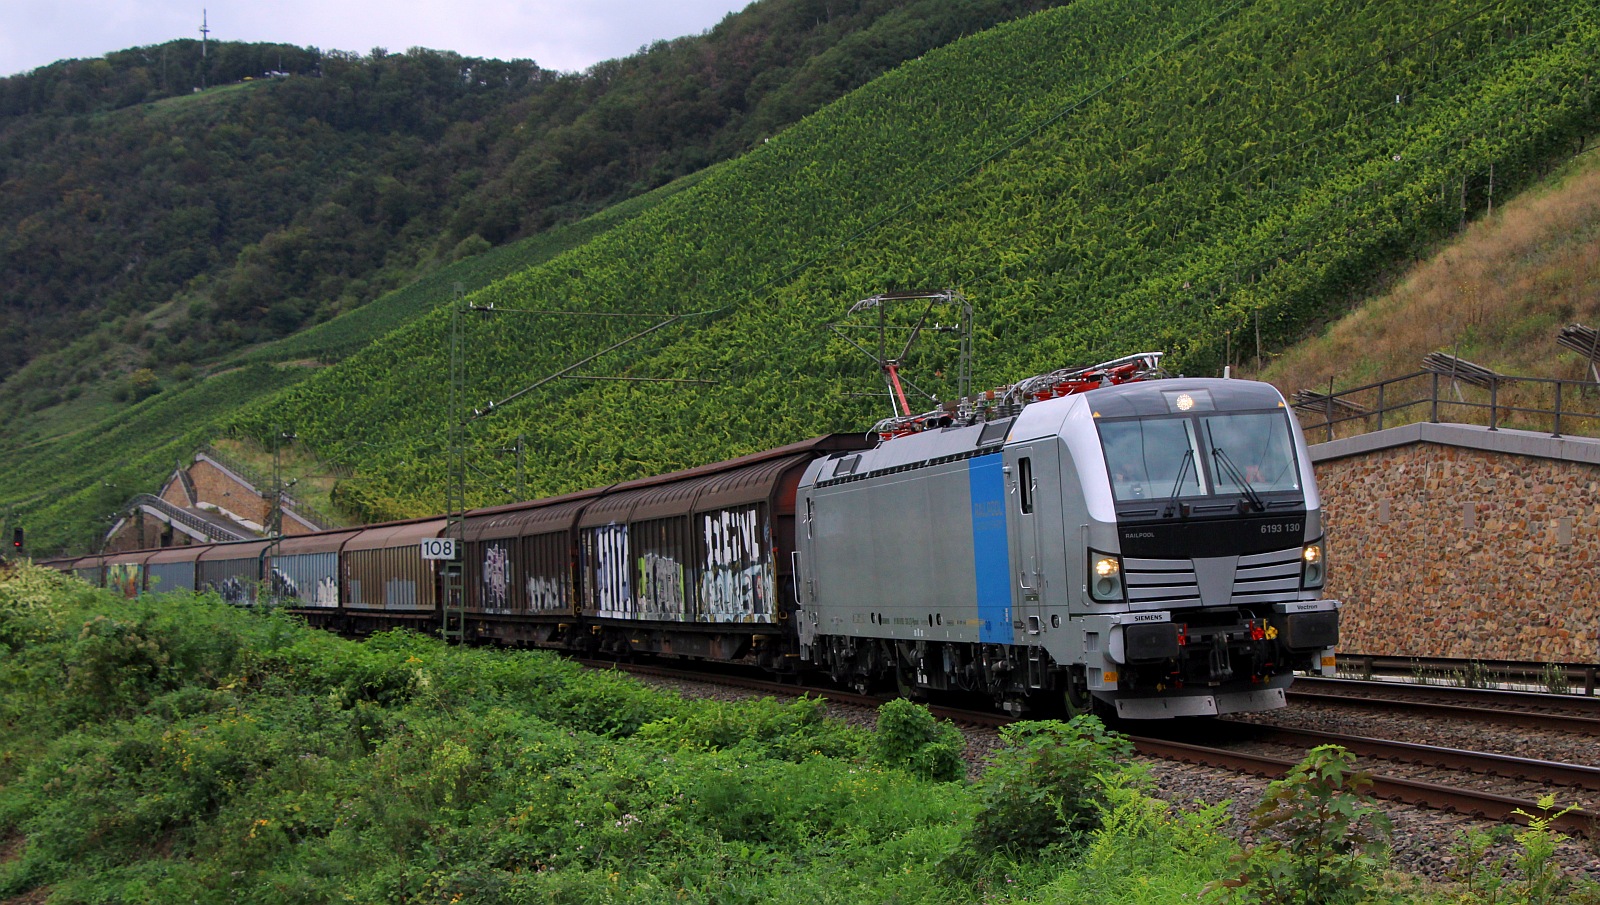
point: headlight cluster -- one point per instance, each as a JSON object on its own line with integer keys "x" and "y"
{"x": 1105, "y": 576}
{"x": 1313, "y": 565}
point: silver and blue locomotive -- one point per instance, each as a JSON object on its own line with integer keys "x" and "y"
{"x": 1151, "y": 547}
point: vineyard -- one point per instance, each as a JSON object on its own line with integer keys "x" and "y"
{"x": 1097, "y": 179}
{"x": 352, "y": 331}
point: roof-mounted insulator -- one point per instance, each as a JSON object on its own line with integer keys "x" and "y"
{"x": 1009, "y": 400}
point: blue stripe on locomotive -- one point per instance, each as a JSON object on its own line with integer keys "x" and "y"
{"x": 991, "y": 558}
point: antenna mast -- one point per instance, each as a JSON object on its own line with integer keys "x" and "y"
{"x": 205, "y": 37}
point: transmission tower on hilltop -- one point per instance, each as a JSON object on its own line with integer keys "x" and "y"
{"x": 205, "y": 37}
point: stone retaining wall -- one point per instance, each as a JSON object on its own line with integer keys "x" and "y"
{"x": 1456, "y": 541}
{"x": 218, "y": 487}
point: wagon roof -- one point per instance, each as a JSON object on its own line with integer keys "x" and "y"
{"x": 186, "y": 553}
{"x": 320, "y": 542}
{"x": 250, "y": 549}
{"x": 405, "y": 534}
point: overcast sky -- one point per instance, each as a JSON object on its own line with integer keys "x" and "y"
{"x": 567, "y": 35}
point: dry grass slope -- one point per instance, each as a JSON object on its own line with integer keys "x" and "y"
{"x": 1497, "y": 295}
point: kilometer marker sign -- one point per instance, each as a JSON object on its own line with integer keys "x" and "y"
{"x": 439, "y": 548}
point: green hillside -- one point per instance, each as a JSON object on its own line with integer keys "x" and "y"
{"x": 1099, "y": 179}
{"x": 67, "y": 481}
{"x": 350, "y": 332}
{"x": 176, "y": 226}
{"x": 1497, "y": 295}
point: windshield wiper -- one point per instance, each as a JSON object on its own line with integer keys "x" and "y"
{"x": 1250, "y": 495}
{"x": 1177, "y": 488}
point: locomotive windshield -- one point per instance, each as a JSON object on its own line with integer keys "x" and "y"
{"x": 1211, "y": 454}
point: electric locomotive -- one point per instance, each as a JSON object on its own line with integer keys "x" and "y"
{"x": 1150, "y": 547}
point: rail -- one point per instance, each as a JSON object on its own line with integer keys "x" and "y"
{"x": 1580, "y": 678}
{"x": 210, "y": 530}
{"x": 1547, "y": 405}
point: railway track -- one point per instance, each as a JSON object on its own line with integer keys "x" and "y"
{"x": 1527, "y": 710}
{"x": 1455, "y": 797}
{"x": 1435, "y": 796}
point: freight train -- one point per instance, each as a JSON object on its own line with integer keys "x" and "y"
{"x": 1107, "y": 537}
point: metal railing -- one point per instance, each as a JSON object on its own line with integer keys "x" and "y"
{"x": 178, "y": 514}
{"x": 1553, "y": 406}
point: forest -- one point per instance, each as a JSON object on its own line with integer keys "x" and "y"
{"x": 176, "y": 225}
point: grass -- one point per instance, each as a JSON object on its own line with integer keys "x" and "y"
{"x": 1497, "y": 294}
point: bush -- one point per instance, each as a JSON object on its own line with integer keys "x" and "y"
{"x": 1144, "y": 850}
{"x": 1045, "y": 787}
{"x": 471, "y": 245}
{"x": 1327, "y": 840}
{"x": 30, "y": 598}
{"x": 143, "y": 384}
{"x": 790, "y": 731}
{"x": 910, "y": 739}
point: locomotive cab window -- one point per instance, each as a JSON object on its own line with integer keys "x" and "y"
{"x": 1025, "y": 484}
{"x": 1152, "y": 458}
{"x": 1200, "y": 454}
{"x": 1250, "y": 451}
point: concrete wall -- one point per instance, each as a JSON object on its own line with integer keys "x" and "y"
{"x": 1455, "y": 541}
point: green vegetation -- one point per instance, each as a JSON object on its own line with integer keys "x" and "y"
{"x": 1497, "y": 296}
{"x": 72, "y": 486}
{"x": 1331, "y": 843}
{"x": 148, "y": 440}
{"x": 147, "y": 227}
{"x": 173, "y": 748}
{"x": 1099, "y": 178}
{"x": 349, "y": 332}
{"x": 181, "y": 227}
{"x": 909, "y": 738}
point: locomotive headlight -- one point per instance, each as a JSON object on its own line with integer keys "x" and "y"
{"x": 1313, "y": 568}
{"x": 1105, "y": 576}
